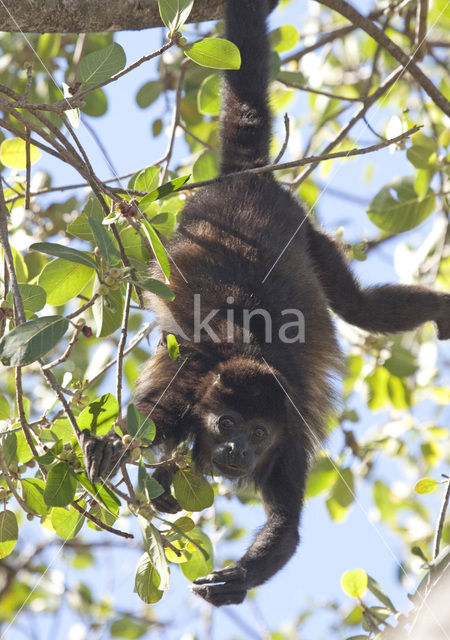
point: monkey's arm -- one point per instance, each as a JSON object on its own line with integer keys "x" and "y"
{"x": 274, "y": 544}
{"x": 383, "y": 308}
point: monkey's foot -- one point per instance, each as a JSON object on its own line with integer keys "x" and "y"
{"x": 226, "y": 586}
{"x": 101, "y": 454}
{"x": 166, "y": 503}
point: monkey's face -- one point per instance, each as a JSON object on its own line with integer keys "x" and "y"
{"x": 237, "y": 445}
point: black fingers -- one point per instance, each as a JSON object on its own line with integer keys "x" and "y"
{"x": 227, "y": 586}
{"x": 101, "y": 455}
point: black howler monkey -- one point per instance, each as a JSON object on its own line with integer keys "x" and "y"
{"x": 253, "y": 405}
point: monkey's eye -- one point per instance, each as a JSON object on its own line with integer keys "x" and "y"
{"x": 259, "y": 432}
{"x": 226, "y": 423}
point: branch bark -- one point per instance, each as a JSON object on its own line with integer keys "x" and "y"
{"x": 87, "y": 16}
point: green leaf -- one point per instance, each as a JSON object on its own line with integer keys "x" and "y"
{"x": 101, "y": 65}
{"x": 292, "y": 77}
{"x": 147, "y": 581}
{"x": 33, "y": 297}
{"x": 158, "y": 288}
{"x": 283, "y": 38}
{"x": 13, "y": 153}
{"x": 66, "y": 523}
{"x": 321, "y": 477}
{"x": 138, "y": 424}
{"x": 341, "y": 496}
{"x": 354, "y": 583}
{"x": 192, "y": 491}
{"x": 148, "y": 93}
{"x": 174, "y": 13}
{"x": 378, "y": 592}
{"x": 402, "y": 362}
{"x": 5, "y": 409}
{"x": 145, "y": 180}
{"x": 425, "y": 485}
{"x": 67, "y": 253}
{"x": 422, "y": 153}
{"x": 32, "y": 491}
{"x": 107, "y": 311}
{"x": 63, "y": 280}
{"x": 96, "y": 103}
{"x": 172, "y": 346}
{"x": 31, "y": 340}
{"x": 209, "y": 97}
{"x": 99, "y": 415}
{"x": 128, "y": 628}
{"x": 104, "y": 241}
{"x": 164, "y": 190}
{"x": 216, "y": 53}
{"x": 206, "y": 166}
{"x": 9, "y": 532}
{"x": 48, "y": 46}
{"x": 201, "y": 561}
{"x": 102, "y": 494}
{"x": 80, "y": 227}
{"x": 154, "y": 546}
{"x": 397, "y": 207}
{"x": 157, "y": 248}
{"x": 61, "y": 485}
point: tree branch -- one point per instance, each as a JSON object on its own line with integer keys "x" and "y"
{"x": 356, "y": 18}
{"x": 79, "y": 16}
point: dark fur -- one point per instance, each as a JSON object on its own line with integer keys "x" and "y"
{"x": 231, "y": 234}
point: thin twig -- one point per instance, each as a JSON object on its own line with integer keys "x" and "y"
{"x": 28, "y": 170}
{"x": 376, "y": 95}
{"x": 19, "y": 313}
{"x": 175, "y": 119}
{"x": 441, "y": 521}
{"x": 421, "y": 29}
{"x": 11, "y": 487}
{"x": 308, "y": 160}
{"x": 320, "y": 92}
{"x": 63, "y": 357}
{"x": 407, "y": 62}
{"x": 286, "y": 139}
{"x": 52, "y": 381}
{"x": 83, "y": 308}
{"x": 99, "y": 523}
{"x": 143, "y": 333}
{"x": 121, "y": 347}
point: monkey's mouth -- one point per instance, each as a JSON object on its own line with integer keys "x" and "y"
{"x": 229, "y": 469}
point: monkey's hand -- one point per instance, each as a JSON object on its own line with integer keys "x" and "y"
{"x": 226, "y": 586}
{"x": 443, "y": 322}
{"x": 101, "y": 454}
{"x": 166, "y": 502}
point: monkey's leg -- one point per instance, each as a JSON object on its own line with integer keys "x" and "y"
{"x": 383, "y": 308}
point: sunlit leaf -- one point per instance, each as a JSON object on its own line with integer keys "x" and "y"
{"x": 13, "y": 153}
{"x": 209, "y": 96}
{"x": 425, "y": 485}
{"x": 174, "y": 13}
{"x": 192, "y": 491}
{"x": 63, "y": 280}
{"x": 354, "y": 583}
{"x": 99, "y": 415}
{"x": 9, "y": 532}
{"x": 216, "y": 53}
